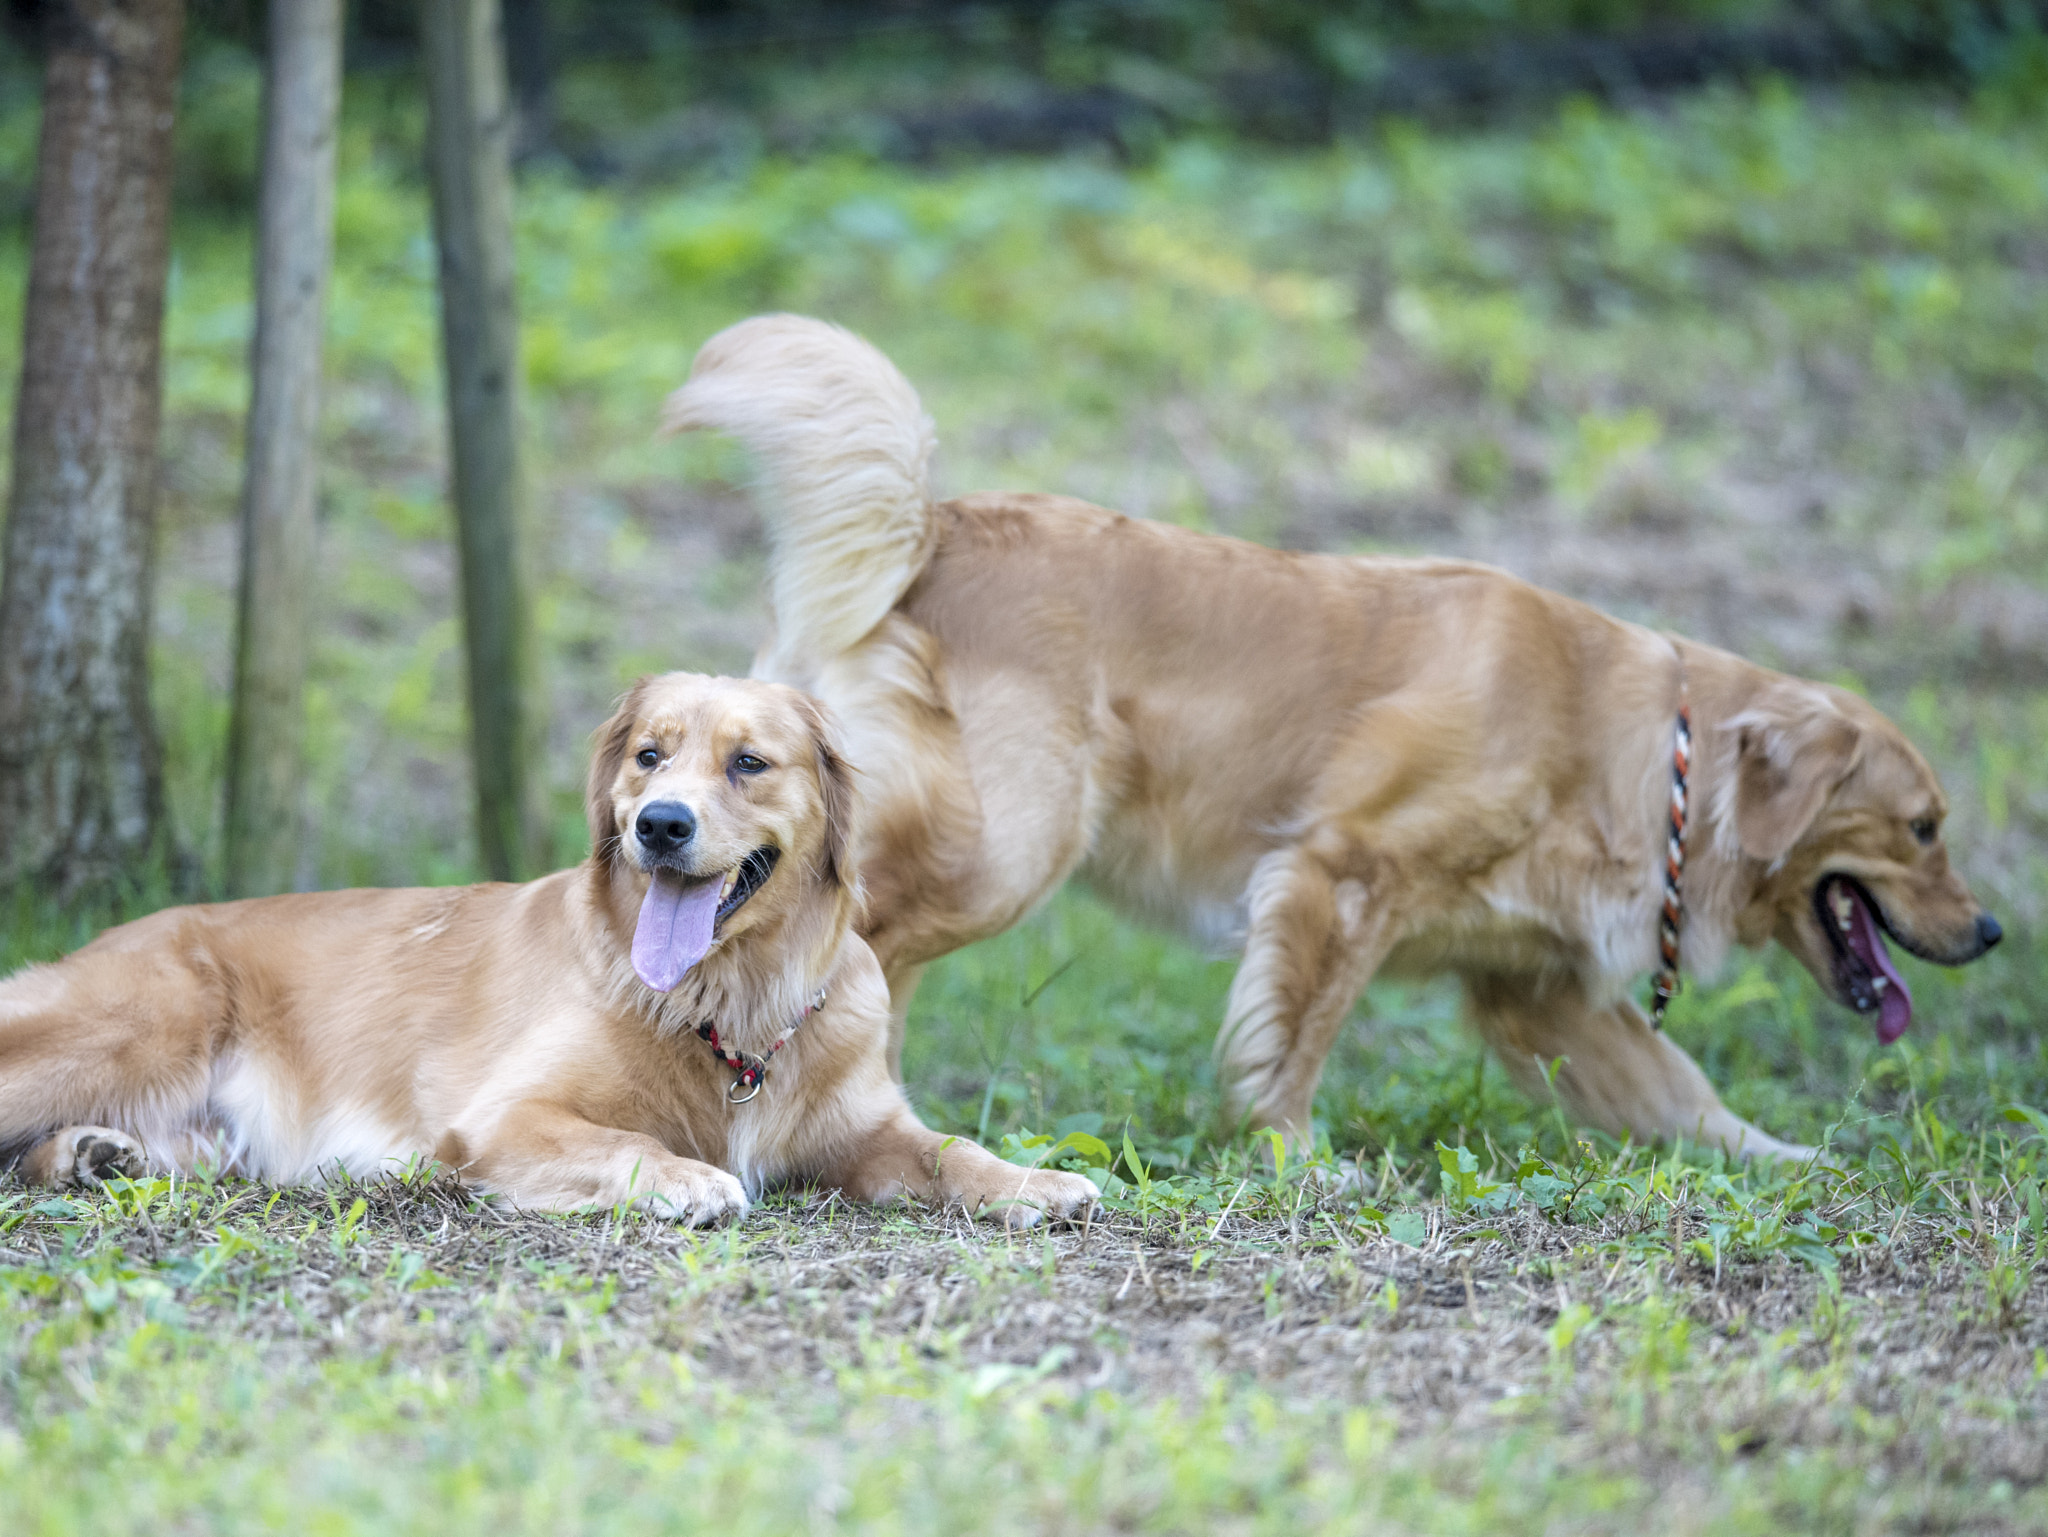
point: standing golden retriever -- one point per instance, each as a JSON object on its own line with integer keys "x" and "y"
{"x": 1349, "y": 765}
{"x": 543, "y": 1039}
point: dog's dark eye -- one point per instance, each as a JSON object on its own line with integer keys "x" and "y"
{"x": 747, "y": 763}
{"x": 1924, "y": 828}
{"x": 648, "y": 757}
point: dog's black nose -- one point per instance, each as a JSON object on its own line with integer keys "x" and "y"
{"x": 1988, "y": 931}
{"x": 665, "y": 827}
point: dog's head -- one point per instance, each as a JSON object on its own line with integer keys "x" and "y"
{"x": 733, "y": 802}
{"x": 1846, "y": 818}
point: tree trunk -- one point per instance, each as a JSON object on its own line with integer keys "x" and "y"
{"x": 469, "y": 130}
{"x": 295, "y": 248}
{"x": 529, "y": 60}
{"x": 81, "y": 793}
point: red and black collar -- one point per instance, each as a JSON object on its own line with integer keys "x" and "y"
{"x": 1664, "y": 986}
{"x": 751, "y": 1070}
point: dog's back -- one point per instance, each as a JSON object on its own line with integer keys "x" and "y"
{"x": 285, "y": 1036}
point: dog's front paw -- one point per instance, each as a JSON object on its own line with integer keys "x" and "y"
{"x": 1045, "y": 1194}
{"x": 85, "y": 1155}
{"x": 700, "y": 1197}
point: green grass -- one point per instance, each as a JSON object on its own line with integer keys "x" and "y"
{"x": 1768, "y": 368}
{"x": 1611, "y": 1336}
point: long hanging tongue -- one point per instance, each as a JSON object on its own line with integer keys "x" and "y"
{"x": 675, "y": 926}
{"x": 1894, "y": 998}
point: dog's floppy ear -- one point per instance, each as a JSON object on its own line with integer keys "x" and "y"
{"x": 1789, "y": 755}
{"x": 835, "y": 782}
{"x": 612, "y": 739}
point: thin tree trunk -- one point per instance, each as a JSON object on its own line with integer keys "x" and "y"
{"x": 529, "y": 60}
{"x": 81, "y": 792}
{"x": 469, "y": 131}
{"x": 295, "y": 249}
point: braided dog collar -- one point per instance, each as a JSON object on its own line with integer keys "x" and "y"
{"x": 1664, "y": 987}
{"x": 752, "y": 1071}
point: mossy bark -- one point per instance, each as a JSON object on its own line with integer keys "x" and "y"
{"x": 81, "y": 796}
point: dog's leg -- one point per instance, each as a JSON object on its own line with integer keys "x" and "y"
{"x": 903, "y": 980}
{"x": 1618, "y": 1074}
{"x": 1314, "y": 943}
{"x": 904, "y": 1157}
{"x": 547, "y": 1158}
{"x": 99, "y": 1052}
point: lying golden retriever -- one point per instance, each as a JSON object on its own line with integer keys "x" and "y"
{"x": 1350, "y": 765}
{"x": 542, "y": 1040}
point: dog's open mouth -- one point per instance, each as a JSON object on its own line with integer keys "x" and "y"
{"x": 680, "y": 916}
{"x": 1864, "y": 974}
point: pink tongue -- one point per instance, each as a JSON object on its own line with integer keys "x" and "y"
{"x": 675, "y": 926}
{"x": 1895, "y": 1003}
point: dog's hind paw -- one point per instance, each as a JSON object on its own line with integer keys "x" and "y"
{"x": 85, "y": 1155}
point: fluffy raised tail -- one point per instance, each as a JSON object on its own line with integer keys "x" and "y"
{"x": 840, "y": 445}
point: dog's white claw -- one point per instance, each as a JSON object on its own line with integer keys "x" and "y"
{"x": 701, "y": 1200}
{"x": 1051, "y": 1195}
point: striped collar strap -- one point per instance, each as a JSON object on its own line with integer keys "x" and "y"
{"x": 1664, "y": 987}
{"x": 749, "y": 1069}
